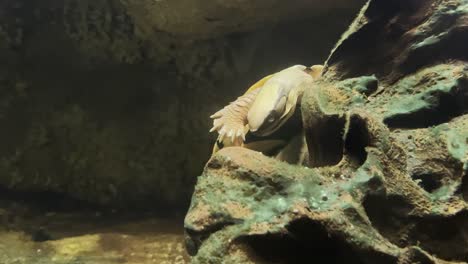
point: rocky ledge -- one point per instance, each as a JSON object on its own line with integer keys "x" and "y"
{"x": 387, "y": 133}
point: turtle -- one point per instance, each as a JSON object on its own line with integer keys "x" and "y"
{"x": 255, "y": 119}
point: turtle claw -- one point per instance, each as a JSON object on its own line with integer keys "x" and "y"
{"x": 222, "y": 133}
{"x": 216, "y": 126}
{"x": 217, "y": 114}
{"x": 233, "y": 136}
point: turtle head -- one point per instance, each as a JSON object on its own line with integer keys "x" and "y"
{"x": 271, "y": 108}
{"x": 315, "y": 71}
{"x": 277, "y": 99}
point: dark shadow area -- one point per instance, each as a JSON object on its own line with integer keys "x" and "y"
{"x": 445, "y": 237}
{"x": 429, "y": 182}
{"x": 301, "y": 41}
{"x": 306, "y": 241}
{"x": 356, "y": 141}
{"x": 385, "y": 9}
{"x": 49, "y": 201}
{"x": 44, "y": 201}
{"x": 450, "y": 46}
{"x": 386, "y": 221}
{"x": 45, "y": 216}
{"x": 384, "y": 35}
{"x": 325, "y": 140}
{"x": 464, "y": 185}
{"x": 388, "y": 217}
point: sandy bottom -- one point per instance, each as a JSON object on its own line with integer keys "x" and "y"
{"x": 33, "y": 233}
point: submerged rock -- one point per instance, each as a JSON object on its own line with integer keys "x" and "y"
{"x": 387, "y": 133}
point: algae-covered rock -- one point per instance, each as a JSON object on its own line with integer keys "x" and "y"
{"x": 387, "y": 132}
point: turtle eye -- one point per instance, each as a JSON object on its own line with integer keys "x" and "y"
{"x": 271, "y": 117}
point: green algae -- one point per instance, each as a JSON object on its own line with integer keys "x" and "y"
{"x": 422, "y": 93}
{"x": 445, "y": 192}
{"x": 457, "y": 143}
{"x": 431, "y": 40}
{"x": 456, "y": 138}
{"x": 364, "y": 84}
{"x": 408, "y": 106}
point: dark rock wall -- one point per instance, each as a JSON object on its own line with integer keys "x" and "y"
{"x": 108, "y": 101}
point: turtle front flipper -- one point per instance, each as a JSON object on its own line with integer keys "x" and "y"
{"x": 231, "y": 121}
